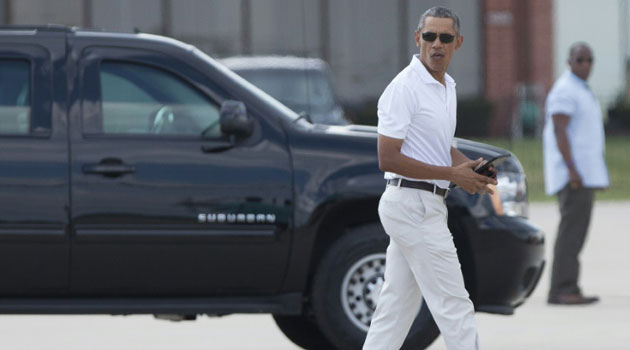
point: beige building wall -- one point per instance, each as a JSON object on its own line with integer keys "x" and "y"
{"x": 600, "y": 24}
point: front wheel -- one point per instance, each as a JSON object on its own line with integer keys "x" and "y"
{"x": 346, "y": 287}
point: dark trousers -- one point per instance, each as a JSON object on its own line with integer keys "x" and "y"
{"x": 575, "y": 209}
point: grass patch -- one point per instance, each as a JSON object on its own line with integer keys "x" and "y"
{"x": 529, "y": 152}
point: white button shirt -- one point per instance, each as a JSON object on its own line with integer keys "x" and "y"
{"x": 571, "y": 96}
{"x": 420, "y": 110}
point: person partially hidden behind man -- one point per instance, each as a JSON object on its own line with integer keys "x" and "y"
{"x": 573, "y": 144}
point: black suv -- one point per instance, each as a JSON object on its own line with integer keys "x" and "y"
{"x": 139, "y": 176}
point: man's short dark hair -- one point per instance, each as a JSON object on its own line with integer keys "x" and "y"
{"x": 578, "y": 45}
{"x": 439, "y": 12}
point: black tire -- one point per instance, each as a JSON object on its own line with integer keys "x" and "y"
{"x": 341, "y": 325}
{"x": 302, "y": 332}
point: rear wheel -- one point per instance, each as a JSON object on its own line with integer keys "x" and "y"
{"x": 346, "y": 287}
{"x": 303, "y": 332}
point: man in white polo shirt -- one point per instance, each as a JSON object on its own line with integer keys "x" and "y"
{"x": 573, "y": 140}
{"x": 417, "y": 118}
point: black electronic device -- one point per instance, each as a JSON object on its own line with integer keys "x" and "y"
{"x": 494, "y": 162}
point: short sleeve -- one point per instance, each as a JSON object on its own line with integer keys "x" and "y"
{"x": 561, "y": 102}
{"x": 395, "y": 108}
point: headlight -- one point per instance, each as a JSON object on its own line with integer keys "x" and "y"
{"x": 512, "y": 191}
{"x": 512, "y": 194}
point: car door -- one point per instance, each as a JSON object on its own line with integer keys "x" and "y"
{"x": 160, "y": 204}
{"x": 34, "y": 201}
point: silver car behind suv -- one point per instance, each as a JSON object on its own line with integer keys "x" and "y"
{"x": 302, "y": 84}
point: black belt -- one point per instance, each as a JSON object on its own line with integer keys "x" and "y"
{"x": 419, "y": 185}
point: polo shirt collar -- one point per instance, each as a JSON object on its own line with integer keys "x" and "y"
{"x": 424, "y": 74}
{"x": 577, "y": 79}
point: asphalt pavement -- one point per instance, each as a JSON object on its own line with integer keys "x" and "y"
{"x": 605, "y": 272}
{"x": 535, "y": 325}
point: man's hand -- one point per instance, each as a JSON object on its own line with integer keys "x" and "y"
{"x": 560, "y": 126}
{"x": 575, "y": 180}
{"x": 465, "y": 177}
{"x": 490, "y": 172}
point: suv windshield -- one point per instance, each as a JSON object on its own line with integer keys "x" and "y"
{"x": 300, "y": 90}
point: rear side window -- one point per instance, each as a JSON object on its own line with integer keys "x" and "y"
{"x": 140, "y": 99}
{"x": 15, "y": 102}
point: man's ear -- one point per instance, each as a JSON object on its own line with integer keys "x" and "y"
{"x": 417, "y": 36}
{"x": 460, "y": 41}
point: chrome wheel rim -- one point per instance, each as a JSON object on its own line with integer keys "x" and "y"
{"x": 361, "y": 289}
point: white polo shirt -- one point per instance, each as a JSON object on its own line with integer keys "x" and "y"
{"x": 571, "y": 96}
{"x": 420, "y": 110}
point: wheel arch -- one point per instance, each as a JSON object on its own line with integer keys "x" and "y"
{"x": 337, "y": 219}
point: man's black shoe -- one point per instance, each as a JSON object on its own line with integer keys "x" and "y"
{"x": 571, "y": 299}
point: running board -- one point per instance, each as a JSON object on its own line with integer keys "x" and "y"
{"x": 284, "y": 304}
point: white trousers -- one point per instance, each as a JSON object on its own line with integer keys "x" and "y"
{"x": 421, "y": 261}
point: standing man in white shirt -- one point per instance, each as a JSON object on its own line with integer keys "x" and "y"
{"x": 417, "y": 118}
{"x": 573, "y": 144}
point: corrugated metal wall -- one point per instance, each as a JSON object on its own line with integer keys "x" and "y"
{"x": 366, "y": 42}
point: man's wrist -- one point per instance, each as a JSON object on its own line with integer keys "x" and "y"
{"x": 450, "y": 174}
{"x": 570, "y": 164}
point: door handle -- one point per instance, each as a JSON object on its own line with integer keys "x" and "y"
{"x": 109, "y": 167}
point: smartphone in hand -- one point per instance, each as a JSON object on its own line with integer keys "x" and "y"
{"x": 492, "y": 163}
{"x": 485, "y": 168}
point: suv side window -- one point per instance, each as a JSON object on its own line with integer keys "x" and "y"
{"x": 15, "y": 102}
{"x": 141, "y": 99}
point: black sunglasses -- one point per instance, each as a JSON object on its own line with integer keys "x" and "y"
{"x": 583, "y": 59}
{"x": 445, "y": 38}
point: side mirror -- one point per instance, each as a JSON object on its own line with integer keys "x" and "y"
{"x": 234, "y": 119}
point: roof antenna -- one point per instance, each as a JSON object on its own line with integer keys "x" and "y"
{"x": 136, "y": 30}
